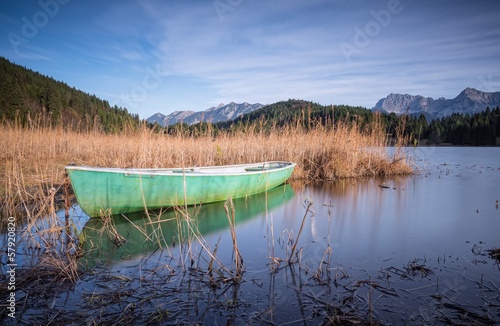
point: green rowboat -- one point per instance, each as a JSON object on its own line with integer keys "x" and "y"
{"x": 115, "y": 191}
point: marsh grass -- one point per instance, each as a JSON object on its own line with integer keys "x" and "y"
{"x": 495, "y": 254}
{"x": 33, "y": 158}
{"x": 309, "y": 203}
{"x": 52, "y": 242}
{"x": 33, "y": 182}
{"x": 108, "y": 227}
{"x": 157, "y": 293}
{"x": 231, "y": 217}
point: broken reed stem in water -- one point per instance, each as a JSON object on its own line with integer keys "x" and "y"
{"x": 309, "y": 204}
{"x": 319, "y": 272}
{"x": 274, "y": 262}
{"x": 194, "y": 233}
{"x": 231, "y": 218}
{"x": 108, "y": 226}
{"x": 187, "y": 231}
{"x": 211, "y": 263}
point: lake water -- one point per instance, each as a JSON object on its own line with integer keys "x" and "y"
{"x": 393, "y": 250}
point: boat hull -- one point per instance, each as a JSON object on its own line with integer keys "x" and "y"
{"x": 115, "y": 191}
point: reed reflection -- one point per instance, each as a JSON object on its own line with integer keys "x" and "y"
{"x": 119, "y": 237}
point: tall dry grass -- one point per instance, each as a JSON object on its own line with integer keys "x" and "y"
{"x": 33, "y": 158}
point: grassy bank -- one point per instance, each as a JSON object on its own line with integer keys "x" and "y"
{"x": 33, "y": 158}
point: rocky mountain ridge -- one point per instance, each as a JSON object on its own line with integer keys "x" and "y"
{"x": 469, "y": 101}
{"x": 222, "y": 112}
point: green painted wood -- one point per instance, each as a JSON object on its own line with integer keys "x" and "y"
{"x": 117, "y": 191}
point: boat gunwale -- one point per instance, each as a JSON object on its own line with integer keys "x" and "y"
{"x": 194, "y": 171}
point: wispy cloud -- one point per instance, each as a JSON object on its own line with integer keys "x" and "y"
{"x": 265, "y": 51}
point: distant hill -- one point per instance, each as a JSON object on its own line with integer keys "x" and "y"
{"x": 24, "y": 93}
{"x": 469, "y": 101}
{"x": 222, "y": 112}
{"x": 304, "y": 112}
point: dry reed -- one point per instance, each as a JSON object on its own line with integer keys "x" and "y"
{"x": 33, "y": 158}
{"x": 309, "y": 204}
{"x": 238, "y": 259}
{"x": 495, "y": 254}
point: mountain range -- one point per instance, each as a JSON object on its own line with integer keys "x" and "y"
{"x": 469, "y": 101}
{"x": 222, "y": 112}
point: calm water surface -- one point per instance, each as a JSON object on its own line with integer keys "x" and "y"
{"x": 398, "y": 250}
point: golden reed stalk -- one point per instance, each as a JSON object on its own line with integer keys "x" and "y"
{"x": 33, "y": 158}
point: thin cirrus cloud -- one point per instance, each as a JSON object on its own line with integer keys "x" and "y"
{"x": 160, "y": 56}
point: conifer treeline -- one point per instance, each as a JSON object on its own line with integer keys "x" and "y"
{"x": 480, "y": 129}
{"x": 27, "y": 95}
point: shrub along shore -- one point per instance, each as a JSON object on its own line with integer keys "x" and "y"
{"x": 33, "y": 158}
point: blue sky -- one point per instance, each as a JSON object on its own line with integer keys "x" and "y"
{"x": 161, "y": 56}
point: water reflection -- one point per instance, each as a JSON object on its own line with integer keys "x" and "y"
{"x": 49, "y": 235}
{"x": 377, "y": 230}
{"x": 129, "y": 235}
{"x": 372, "y": 223}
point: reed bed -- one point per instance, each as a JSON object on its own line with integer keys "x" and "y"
{"x": 33, "y": 158}
{"x": 495, "y": 254}
{"x": 33, "y": 182}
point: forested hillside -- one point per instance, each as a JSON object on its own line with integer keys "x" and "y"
{"x": 481, "y": 129}
{"x": 305, "y": 113}
{"x": 28, "y": 95}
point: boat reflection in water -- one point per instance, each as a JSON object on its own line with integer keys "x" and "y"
{"x": 122, "y": 237}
